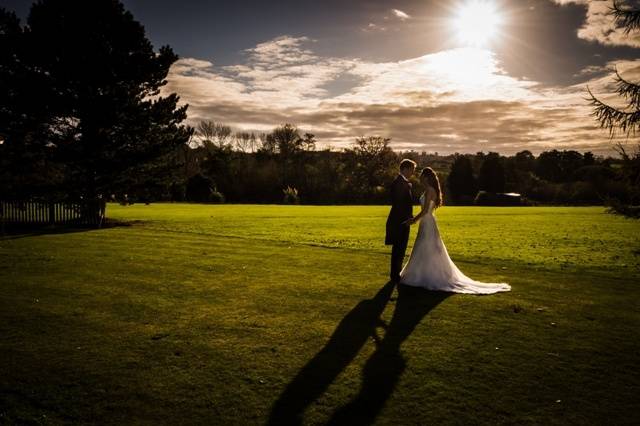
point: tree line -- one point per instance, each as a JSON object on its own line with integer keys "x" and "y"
{"x": 286, "y": 165}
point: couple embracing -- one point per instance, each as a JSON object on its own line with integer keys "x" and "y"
{"x": 429, "y": 265}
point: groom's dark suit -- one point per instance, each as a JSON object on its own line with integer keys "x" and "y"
{"x": 398, "y": 233}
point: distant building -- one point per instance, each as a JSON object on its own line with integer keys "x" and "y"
{"x": 485, "y": 198}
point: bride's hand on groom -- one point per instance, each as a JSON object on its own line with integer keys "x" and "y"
{"x": 409, "y": 222}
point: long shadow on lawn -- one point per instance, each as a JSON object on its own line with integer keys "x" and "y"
{"x": 18, "y": 232}
{"x": 381, "y": 371}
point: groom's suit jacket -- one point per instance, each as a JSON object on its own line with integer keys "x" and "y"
{"x": 401, "y": 209}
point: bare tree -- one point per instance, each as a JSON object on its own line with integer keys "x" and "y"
{"x": 261, "y": 141}
{"x": 253, "y": 142}
{"x": 205, "y": 130}
{"x": 309, "y": 142}
{"x": 223, "y": 135}
{"x": 245, "y": 141}
{"x": 212, "y": 133}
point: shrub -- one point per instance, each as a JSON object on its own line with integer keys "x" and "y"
{"x": 201, "y": 189}
{"x": 584, "y": 193}
{"x": 217, "y": 197}
{"x": 617, "y": 207}
{"x": 291, "y": 196}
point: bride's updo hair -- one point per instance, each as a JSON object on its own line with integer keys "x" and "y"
{"x": 432, "y": 180}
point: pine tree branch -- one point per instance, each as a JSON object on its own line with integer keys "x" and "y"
{"x": 614, "y": 119}
{"x": 628, "y": 90}
{"x": 626, "y": 17}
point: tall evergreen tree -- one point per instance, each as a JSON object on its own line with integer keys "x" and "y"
{"x": 25, "y": 165}
{"x": 11, "y": 36}
{"x": 625, "y": 119}
{"x": 491, "y": 176}
{"x": 99, "y": 80}
{"x": 525, "y": 161}
{"x": 461, "y": 182}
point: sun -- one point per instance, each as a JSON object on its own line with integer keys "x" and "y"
{"x": 477, "y": 22}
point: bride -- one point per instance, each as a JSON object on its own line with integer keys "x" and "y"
{"x": 430, "y": 265}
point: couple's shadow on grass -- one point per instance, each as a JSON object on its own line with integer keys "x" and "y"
{"x": 381, "y": 371}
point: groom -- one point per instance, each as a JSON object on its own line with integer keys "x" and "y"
{"x": 401, "y": 210}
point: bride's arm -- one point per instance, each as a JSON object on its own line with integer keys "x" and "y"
{"x": 428, "y": 197}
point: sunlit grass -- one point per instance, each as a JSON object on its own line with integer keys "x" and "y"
{"x": 545, "y": 237}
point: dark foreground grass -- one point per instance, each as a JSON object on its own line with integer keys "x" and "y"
{"x": 265, "y": 314}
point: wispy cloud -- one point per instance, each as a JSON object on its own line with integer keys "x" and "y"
{"x": 371, "y": 27}
{"x": 455, "y": 100}
{"x": 403, "y": 16}
{"x": 591, "y": 70}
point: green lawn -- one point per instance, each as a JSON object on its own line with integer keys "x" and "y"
{"x": 255, "y": 314}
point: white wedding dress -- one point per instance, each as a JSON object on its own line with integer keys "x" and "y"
{"x": 431, "y": 267}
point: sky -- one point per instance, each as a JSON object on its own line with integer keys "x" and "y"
{"x": 437, "y": 76}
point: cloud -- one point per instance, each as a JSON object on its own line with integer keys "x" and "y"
{"x": 387, "y": 22}
{"x": 403, "y": 16}
{"x": 459, "y": 74}
{"x": 457, "y": 100}
{"x": 600, "y": 26}
{"x": 591, "y": 70}
{"x": 279, "y": 73}
{"x": 371, "y": 27}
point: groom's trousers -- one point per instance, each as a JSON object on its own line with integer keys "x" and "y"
{"x": 398, "y": 250}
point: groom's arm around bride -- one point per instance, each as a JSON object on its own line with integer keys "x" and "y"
{"x": 397, "y": 234}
